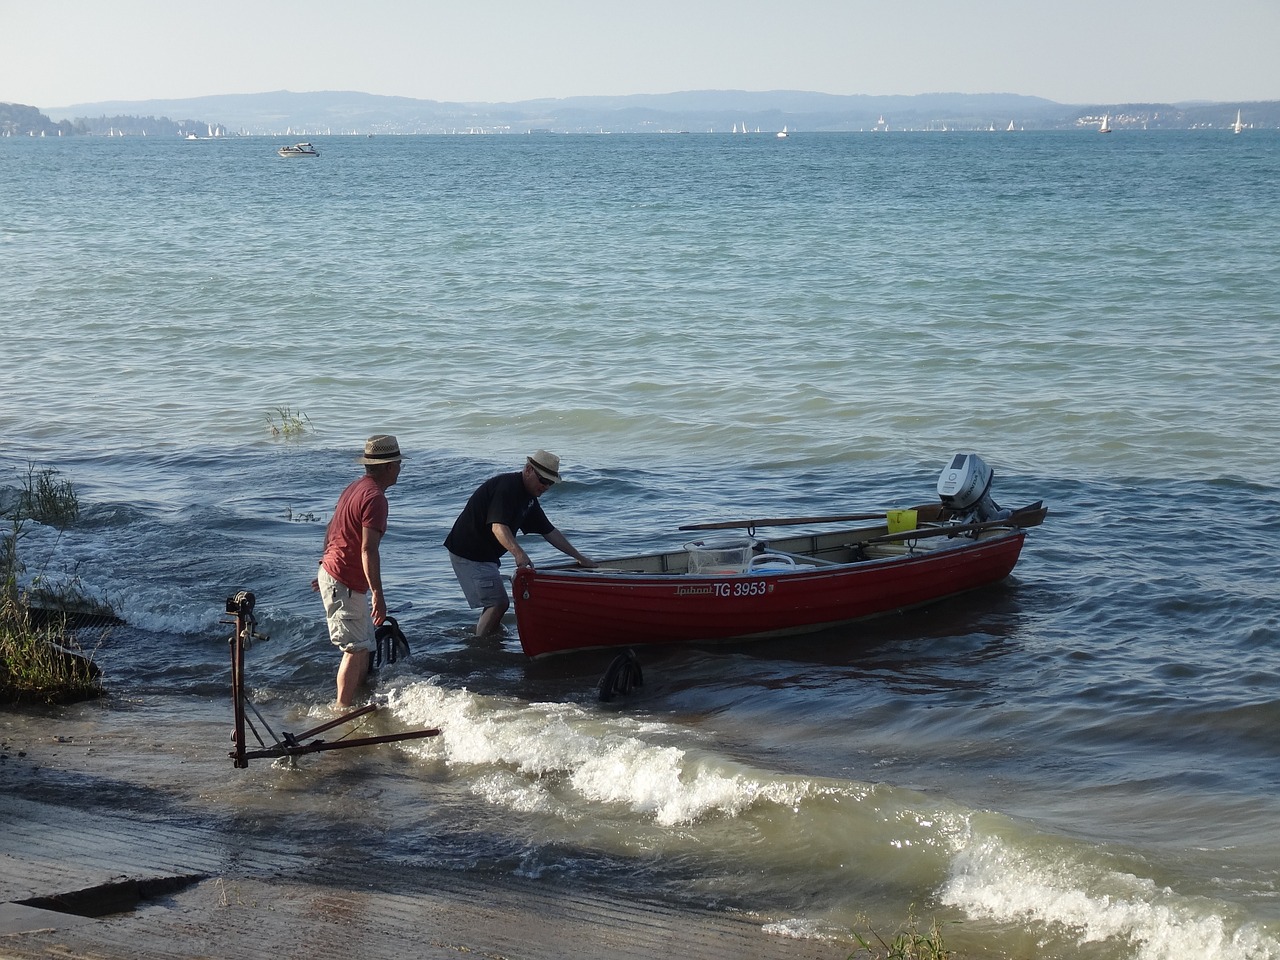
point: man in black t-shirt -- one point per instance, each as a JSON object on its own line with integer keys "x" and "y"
{"x": 486, "y": 529}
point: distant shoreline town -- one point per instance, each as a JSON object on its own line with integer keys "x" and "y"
{"x": 714, "y": 111}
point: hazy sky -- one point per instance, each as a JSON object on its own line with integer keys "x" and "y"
{"x": 56, "y": 53}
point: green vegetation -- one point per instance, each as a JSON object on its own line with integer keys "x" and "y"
{"x": 42, "y": 664}
{"x": 47, "y": 500}
{"x": 909, "y": 943}
{"x": 288, "y": 423}
{"x": 40, "y": 660}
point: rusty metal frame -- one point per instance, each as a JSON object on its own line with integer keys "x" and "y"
{"x": 286, "y": 744}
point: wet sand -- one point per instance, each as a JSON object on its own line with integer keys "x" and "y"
{"x": 156, "y": 834}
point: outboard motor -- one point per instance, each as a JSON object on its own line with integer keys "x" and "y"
{"x": 965, "y": 490}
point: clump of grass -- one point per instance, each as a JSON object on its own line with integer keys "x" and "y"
{"x": 288, "y": 423}
{"x": 48, "y": 500}
{"x": 42, "y": 664}
{"x": 40, "y": 660}
{"x": 909, "y": 943}
{"x": 43, "y": 498}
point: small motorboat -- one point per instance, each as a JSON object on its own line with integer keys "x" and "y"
{"x": 743, "y": 587}
{"x": 299, "y": 150}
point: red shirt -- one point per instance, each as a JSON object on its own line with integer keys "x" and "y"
{"x": 362, "y": 504}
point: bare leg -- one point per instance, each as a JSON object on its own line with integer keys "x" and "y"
{"x": 351, "y": 674}
{"x": 491, "y": 620}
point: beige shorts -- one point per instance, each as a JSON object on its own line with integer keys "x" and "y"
{"x": 348, "y": 615}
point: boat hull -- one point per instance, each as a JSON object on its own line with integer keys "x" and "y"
{"x": 560, "y": 609}
{"x": 299, "y": 150}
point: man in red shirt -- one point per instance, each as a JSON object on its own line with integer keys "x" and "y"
{"x": 350, "y": 577}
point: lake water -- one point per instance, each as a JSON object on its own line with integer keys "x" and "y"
{"x": 1080, "y": 762}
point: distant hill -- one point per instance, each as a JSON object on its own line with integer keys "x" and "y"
{"x": 18, "y": 119}
{"x": 697, "y": 111}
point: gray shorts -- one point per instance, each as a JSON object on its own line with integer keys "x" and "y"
{"x": 348, "y": 615}
{"x": 481, "y": 582}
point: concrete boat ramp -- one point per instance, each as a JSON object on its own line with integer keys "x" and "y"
{"x": 113, "y": 845}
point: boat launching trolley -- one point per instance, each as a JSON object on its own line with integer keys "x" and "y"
{"x": 240, "y": 608}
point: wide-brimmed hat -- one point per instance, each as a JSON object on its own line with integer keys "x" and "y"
{"x": 381, "y": 448}
{"x": 546, "y": 465}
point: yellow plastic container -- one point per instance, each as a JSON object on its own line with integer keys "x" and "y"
{"x": 900, "y": 521}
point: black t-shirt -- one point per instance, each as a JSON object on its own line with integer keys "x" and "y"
{"x": 501, "y": 499}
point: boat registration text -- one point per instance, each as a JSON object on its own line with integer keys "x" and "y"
{"x": 738, "y": 588}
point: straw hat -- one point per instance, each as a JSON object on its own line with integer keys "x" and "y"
{"x": 381, "y": 448}
{"x": 546, "y": 465}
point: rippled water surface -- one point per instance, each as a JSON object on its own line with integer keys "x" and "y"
{"x": 1078, "y": 762}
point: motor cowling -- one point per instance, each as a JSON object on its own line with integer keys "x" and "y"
{"x": 964, "y": 487}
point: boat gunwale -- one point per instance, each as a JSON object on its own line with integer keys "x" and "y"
{"x": 613, "y": 569}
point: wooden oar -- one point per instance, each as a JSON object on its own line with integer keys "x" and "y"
{"x": 782, "y": 521}
{"x": 1028, "y": 516}
{"x": 930, "y": 510}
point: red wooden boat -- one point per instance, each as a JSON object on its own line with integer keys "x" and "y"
{"x": 716, "y": 590}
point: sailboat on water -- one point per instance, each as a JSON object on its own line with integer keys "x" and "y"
{"x": 1106, "y": 124}
{"x": 1238, "y": 125}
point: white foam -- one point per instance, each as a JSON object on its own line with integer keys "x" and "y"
{"x": 798, "y": 928}
{"x": 1088, "y": 903}
{"x": 546, "y": 750}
